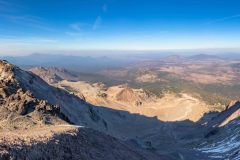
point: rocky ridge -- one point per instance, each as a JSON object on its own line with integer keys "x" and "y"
{"x": 36, "y": 122}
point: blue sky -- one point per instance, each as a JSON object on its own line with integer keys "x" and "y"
{"x": 28, "y": 26}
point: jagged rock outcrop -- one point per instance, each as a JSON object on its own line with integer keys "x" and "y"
{"x": 19, "y": 108}
{"x": 75, "y": 109}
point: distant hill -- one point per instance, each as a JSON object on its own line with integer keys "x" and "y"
{"x": 204, "y": 57}
{"x": 53, "y": 74}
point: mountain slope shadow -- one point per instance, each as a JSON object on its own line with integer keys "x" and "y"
{"x": 78, "y": 143}
{"x": 174, "y": 139}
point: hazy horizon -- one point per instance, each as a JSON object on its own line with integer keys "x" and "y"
{"x": 72, "y": 26}
{"x": 99, "y": 53}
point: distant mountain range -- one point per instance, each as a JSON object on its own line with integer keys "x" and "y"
{"x": 80, "y": 63}
{"x": 96, "y": 63}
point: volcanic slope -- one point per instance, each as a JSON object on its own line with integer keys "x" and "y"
{"x": 36, "y": 122}
{"x": 180, "y": 139}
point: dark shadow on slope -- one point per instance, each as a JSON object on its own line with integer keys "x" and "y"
{"x": 177, "y": 139}
{"x": 224, "y": 115}
{"x": 212, "y": 120}
{"x": 84, "y": 144}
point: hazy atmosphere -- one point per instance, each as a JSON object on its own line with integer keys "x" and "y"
{"x": 70, "y": 26}
{"x": 119, "y": 80}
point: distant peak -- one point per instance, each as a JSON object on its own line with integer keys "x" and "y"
{"x": 204, "y": 56}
